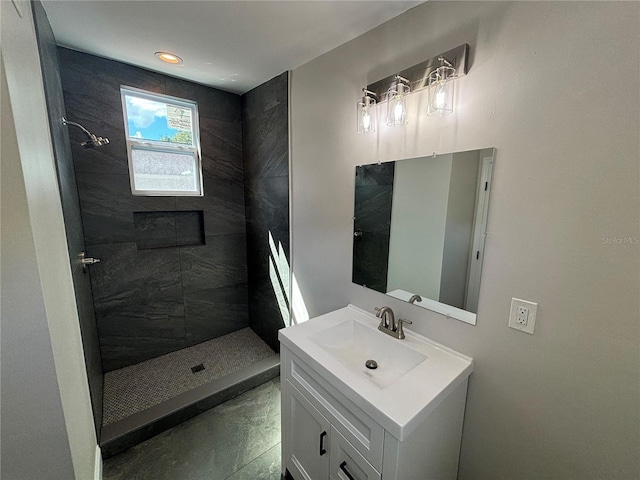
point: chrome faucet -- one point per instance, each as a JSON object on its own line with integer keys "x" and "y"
{"x": 415, "y": 298}
{"x": 388, "y": 323}
{"x": 387, "y": 319}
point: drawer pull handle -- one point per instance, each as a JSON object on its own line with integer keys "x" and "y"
{"x": 322, "y": 449}
{"x": 343, "y": 467}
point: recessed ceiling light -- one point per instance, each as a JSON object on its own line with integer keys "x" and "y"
{"x": 168, "y": 57}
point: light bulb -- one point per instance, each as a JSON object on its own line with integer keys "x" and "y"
{"x": 441, "y": 97}
{"x": 396, "y": 106}
{"x": 398, "y": 111}
{"x": 366, "y": 121}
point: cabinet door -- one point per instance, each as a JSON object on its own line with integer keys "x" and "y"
{"x": 306, "y": 438}
{"x": 346, "y": 461}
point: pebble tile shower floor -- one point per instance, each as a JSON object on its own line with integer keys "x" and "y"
{"x": 135, "y": 388}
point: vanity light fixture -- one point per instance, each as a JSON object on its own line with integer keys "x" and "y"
{"x": 441, "y": 89}
{"x": 366, "y": 115}
{"x": 168, "y": 57}
{"x": 435, "y": 74}
{"x": 396, "y": 103}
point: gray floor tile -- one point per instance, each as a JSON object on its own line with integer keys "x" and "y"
{"x": 265, "y": 467}
{"x": 241, "y": 434}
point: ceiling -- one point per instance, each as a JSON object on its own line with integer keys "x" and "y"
{"x": 232, "y": 45}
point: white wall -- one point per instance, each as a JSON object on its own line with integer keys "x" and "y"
{"x": 47, "y": 424}
{"x": 420, "y": 191}
{"x": 554, "y": 86}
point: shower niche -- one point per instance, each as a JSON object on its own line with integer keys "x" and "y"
{"x": 169, "y": 229}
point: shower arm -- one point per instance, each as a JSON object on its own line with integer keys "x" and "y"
{"x": 67, "y": 122}
{"x": 93, "y": 141}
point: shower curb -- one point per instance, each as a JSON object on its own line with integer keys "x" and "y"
{"x": 118, "y": 436}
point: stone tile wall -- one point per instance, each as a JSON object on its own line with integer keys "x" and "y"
{"x": 153, "y": 301}
{"x": 265, "y": 126}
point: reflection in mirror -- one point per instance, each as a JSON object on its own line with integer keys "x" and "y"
{"x": 419, "y": 229}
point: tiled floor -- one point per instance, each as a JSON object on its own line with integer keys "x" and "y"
{"x": 237, "y": 440}
{"x": 132, "y": 389}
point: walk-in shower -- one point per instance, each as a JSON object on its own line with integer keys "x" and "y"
{"x": 180, "y": 314}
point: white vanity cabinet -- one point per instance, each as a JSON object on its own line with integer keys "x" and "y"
{"x": 329, "y": 435}
{"x": 309, "y": 431}
{"x": 317, "y": 449}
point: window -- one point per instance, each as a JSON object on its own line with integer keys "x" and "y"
{"x": 163, "y": 143}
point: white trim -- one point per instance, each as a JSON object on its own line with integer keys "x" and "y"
{"x": 97, "y": 472}
{"x": 292, "y": 318}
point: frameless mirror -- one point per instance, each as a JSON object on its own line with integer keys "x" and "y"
{"x": 419, "y": 229}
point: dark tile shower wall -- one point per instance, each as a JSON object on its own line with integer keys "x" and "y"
{"x": 265, "y": 126}
{"x": 151, "y": 301}
{"x": 373, "y": 198}
{"x": 70, "y": 206}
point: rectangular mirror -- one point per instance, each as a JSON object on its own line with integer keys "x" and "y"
{"x": 419, "y": 229}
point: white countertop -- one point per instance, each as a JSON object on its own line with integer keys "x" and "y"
{"x": 400, "y": 407}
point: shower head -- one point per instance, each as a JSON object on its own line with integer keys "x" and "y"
{"x": 94, "y": 141}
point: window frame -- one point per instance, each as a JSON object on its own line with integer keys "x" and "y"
{"x": 160, "y": 146}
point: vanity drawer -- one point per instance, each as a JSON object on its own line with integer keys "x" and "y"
{"x": 346, "y": 461}
{"x": 357, "y": 427}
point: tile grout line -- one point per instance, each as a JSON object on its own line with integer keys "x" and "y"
{"x": 264, "y": 452}
{"x": 254, "y": 459}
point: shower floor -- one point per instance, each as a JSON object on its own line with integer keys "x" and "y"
{"x": 133, "y": 389}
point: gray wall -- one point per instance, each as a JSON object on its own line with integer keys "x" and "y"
{"x": 46, "y": 426}
{"x": 563, "y": 403}
{"x": 265, "y": 139}
{"x": 152, "y": 301}
{"x": 70, "y": 206}
{"x": 25, "y": 318}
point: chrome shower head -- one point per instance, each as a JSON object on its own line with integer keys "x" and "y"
{"x": 94, "y": 141}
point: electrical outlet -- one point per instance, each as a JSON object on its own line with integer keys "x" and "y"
{"x": 523, "y": 315}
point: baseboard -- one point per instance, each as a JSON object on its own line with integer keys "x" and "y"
{"x": 97, "y": 471}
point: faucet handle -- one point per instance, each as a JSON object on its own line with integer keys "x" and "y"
{"x": 400, "y": 332}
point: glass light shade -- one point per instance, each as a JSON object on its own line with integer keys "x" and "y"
{"x": 397, "y": 105}
{"x": 441, "y": 92}
{"x": 366, "y": 115}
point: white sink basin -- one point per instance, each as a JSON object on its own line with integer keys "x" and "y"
{"x": 412, "y": 377}
{"x": 353, "y": 343}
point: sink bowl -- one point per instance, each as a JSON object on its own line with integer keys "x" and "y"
{"x": 354, "y": 343}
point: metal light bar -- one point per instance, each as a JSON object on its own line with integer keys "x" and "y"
{"x": 418, "y": 75}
